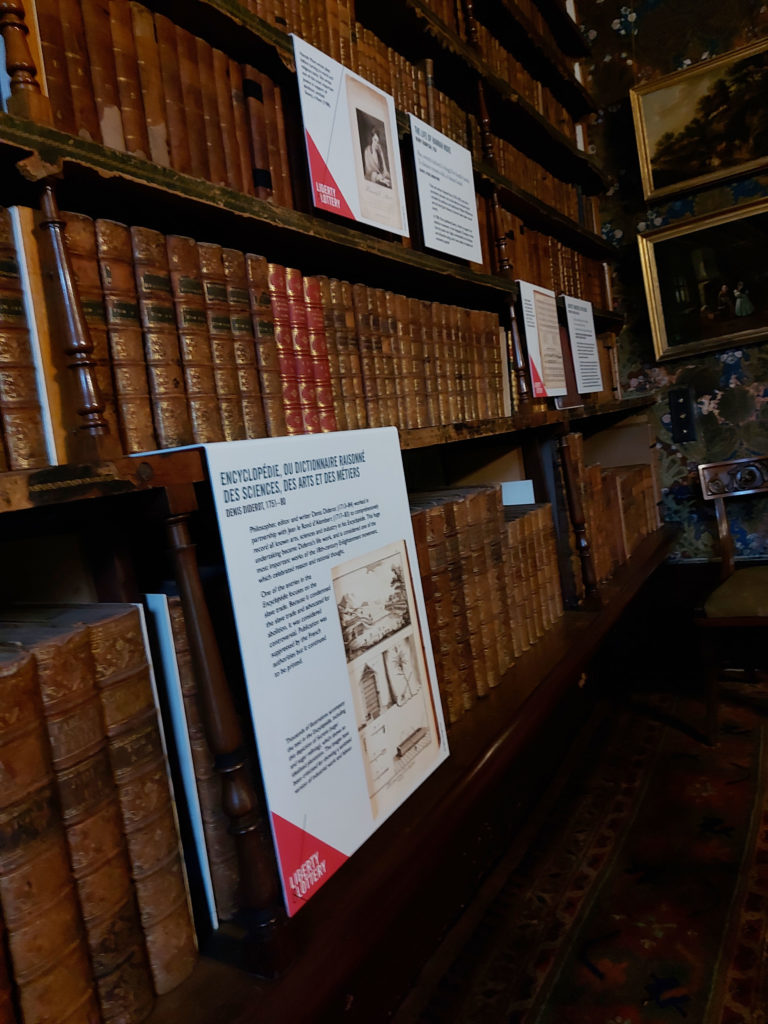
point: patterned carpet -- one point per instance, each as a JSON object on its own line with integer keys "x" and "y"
{"x": 645, "y": 899}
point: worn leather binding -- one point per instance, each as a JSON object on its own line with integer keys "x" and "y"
{"x": 230, "y": 265}
{"x": 76, "y": 60}
{"x": 22, "y": 441}
{"x": 173, "y": 96}
{"x": 103, "y": 72}
{"x": 212, "y": 126}
{"x": 55, "y": 64}
{"x": 225, "y": 115}
{"x": 349, "y": 353}
{"x": 126, "y": 342}
{"x": 151, "y": 81}
{"x": 264, "y": 150}
{"x": 248, "y": 167}
{"x": 320, "y": 318}
{"x": 196, "y": 340}
{"x": 90, "y": 814}
{"x": 140, "y": 774}
{"x": 302, "y": 354}
{"x": 283, "y": 341}
{"x": 192, "y": 102}
{"x": 231, "y": 337}
{"x": 127, "y": 75}
{"x": 263, "y": 319}
{"x": 48, "y": 951}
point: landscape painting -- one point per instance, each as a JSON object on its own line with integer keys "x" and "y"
{"x": 706, "y": 281}
{"x": 708, "y": 122}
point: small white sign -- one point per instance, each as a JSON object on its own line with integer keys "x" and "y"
{"x": 446, "y": 193}
{"x": 542, "y": 340}
{"x": 323, "y": 574}
{"x": 581, "y": 332}
{"x": 350, "y": 131}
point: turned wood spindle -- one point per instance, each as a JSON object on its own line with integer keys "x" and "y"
{"x": 259, "y": 883}
{"x": 517, "y": 360}
{"x": 78, "y": 345}
{"x": 26, "y": 98}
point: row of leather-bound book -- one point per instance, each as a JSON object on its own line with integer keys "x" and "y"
{"x": 117, "y": 73}
{"x": 93, "y": 888}
{"x": 194, "y": 343}
{"x": 120, "y": 74}
{"x": 491, "y": 585}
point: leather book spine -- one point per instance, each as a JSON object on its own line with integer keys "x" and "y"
{"x": 262, "y": 317}
{"x": 416, "y": 330}
{"x": 335, "y": 365}
{"x": 369, "y": 363}
{"x": 289, "y": 382}
{"x": 430, "y": 363}
{"x": 55, "y": 65}
{"x": 261, "y": 131}
{"x": 220, "y": 844}
{"x": 21, "y": 425}
{"x": 240, "y": 116}
{"x": 125, "y": 337}
{"x": 173, "y": 96}
{"x": 47, "y": 946}
{"x": 349, "y": 353}
{"x": 214, "y": 140}
{"x": 225, "y": 116}
{"x": 128, "y": 84}
{"x": 385, "y": 355}
{"x": 141, "y": 776}
{"x": 98, "y": 39}
{"x": 172, "y": 413}
{"x": 192, "y": 99}
{"x": 405, "y": 363}
{"x": 302, "y": 356}
{"x": 321, "y": 362}
{"x": 286, "y": 189}
{"x": 235, "y": 351}
{"x": 76, "y": 56}
{"x": 151, "y": 81}
{"x": 238, "y": 300}
{"x": 194, "y": 341}
{"x": 194, "y": 327}
{"x": 90, "y": 816}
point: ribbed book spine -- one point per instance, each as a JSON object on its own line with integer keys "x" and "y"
{"x": 126, "y": 343}
{"x": 98, "y": 38}
{"x": 173, "y": 416}
{"x": 48, "y": 950}
{"x": 263, "y": 320}
{"x": 278, "y": 294}
{"x": 127, "y": 75}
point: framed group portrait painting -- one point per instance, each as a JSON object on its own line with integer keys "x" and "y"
{"x": 706, "y": 281}
{"x": 704, "y": 124}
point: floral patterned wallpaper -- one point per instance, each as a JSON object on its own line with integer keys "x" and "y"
{"x": 630, "y": 45}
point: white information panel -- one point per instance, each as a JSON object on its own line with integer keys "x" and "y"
{"x": 542, "y": 340}
{"x": 350, "y": 132}
{"x": 581, "y": 331}
{"x": 330, "y": 616}
{"x": 446, "y": 193}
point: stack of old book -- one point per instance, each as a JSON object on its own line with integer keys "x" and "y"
{"x": 194, "y": 342}
{"x": 620, "y": 507}
{"x": 491, "y": 585}
{"x": 93, "y": 889}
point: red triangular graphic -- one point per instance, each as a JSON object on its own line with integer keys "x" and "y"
{"x": 539, "y": 391}
{"x": 327, "y": 194}
{"x": 306, "y": 863}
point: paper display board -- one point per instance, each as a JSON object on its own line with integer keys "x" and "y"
{"x": 350, "y": 132}
{"x": 322, "y": 569}
{"x": 581, "y": 331}
{"x": 446, "y": 193}
{"x": 542, "y": 340}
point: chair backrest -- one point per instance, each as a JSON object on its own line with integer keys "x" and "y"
{"x": 736, "y": 477}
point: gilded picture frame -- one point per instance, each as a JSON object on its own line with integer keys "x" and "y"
{"x": 706, "y": 281}
{"x": 705, "y": 124}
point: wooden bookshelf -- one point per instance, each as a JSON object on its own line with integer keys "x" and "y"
{"x": 372, "y": 895}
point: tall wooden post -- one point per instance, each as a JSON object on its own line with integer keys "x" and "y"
{"x": 263, "y": 917}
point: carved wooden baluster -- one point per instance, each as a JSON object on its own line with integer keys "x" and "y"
{"x": 93, "y": 430}
{"x": 578, "y": 519}
{"x": 517, "y": 360}
{"x": 26, "y": 98}
{"x": 259, "y": 884}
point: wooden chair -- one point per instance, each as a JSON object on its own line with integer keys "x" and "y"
{"x": 739, "y": 605}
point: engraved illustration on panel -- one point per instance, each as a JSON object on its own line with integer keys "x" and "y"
{"x": 387, "y": 671}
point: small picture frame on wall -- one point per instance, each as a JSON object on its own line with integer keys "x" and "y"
{"x": 704, "y": 124}
{"x": 706, "y": 281}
